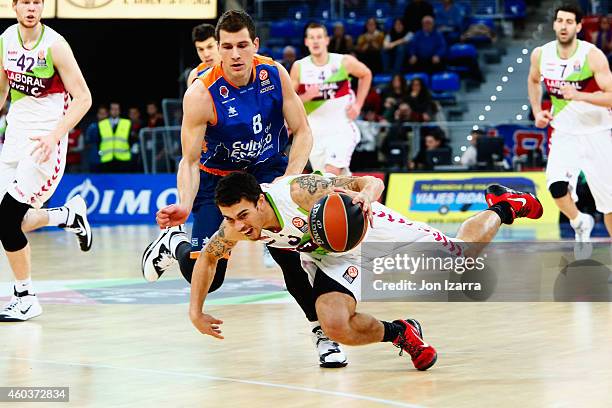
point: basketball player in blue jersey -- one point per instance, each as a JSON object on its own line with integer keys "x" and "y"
{"x": 240, "y": 105}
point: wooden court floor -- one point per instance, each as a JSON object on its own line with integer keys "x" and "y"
{"x": 118, "y": 341}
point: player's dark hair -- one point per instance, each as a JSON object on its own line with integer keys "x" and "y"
{"x": 202, "y": 32}
{"x": 314, "y": 24}
{"x": 236, "y": 186}
{"x": 233, "y": 21}
{"x": 569, "y": 8}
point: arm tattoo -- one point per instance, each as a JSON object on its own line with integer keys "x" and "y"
{"x": 314, "y": 184}
{"x": 218, "y": 246}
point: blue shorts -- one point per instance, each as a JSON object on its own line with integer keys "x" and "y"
{"x": 206, "y": 215}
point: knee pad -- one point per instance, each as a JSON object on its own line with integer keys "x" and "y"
{"x": 558, "y": 189}
{"x": 12, "y": 237}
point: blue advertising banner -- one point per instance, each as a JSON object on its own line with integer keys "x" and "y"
{"x": 119, "y": 198}
{"x": 521, "y": 139}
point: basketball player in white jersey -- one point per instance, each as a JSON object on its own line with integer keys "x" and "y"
{"x": 39, "y": 70}
{"x": 205, "y": 43}
{"x": 578, "y": 79}
{"x": 276, "y": 213}
{"x": 323, "y": 81}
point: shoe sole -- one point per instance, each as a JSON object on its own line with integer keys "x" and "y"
{"x": 147, "y": 252}
{"x": 14, "y": 319}
{"x": 333, "y": 365}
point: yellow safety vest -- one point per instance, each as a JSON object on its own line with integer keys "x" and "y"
{"x": 115, "y": 146}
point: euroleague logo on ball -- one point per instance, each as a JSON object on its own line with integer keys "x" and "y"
{"x": 224, "y": 91}
{"x": 352, "y": 271}
{"x": 298, "y": 222}
{"x": 263, "y": 75}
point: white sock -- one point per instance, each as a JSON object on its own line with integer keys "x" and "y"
{"x": 576, "y": 220}
{"x": 57, "y": 216}
{"x": 23, "y": 285}
{"x": 176, "y": 240}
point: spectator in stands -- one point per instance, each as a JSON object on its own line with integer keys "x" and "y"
{"x": 396, "y": 93}
{"x": 602, "y": 38}
{"x": 115, "y": 151}
{"x": 394, "y": 47}
{"x": 468, "y": 158}
{"x": 92, "y": 142}
{"x": 433, "y": 140}
{"x": 340, "y": 42}
{"x": 414, "y": 13}
{"x": 478, "y": 31}
{"x": 365, "y": 155}
{"x": 135, "y": 117}
{"x": 154, "y": 117}
{"x": 76, "y": 145}
{"x": 420, "y": 101}
{"x": 289, "y": 57}
{"x": 449, "y": 21}
{"x": 373, "y": 101}
{"x": 369, "y": 46}
{"x": 427, "y": 49}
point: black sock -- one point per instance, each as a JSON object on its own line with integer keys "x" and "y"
{"x": 504, "y": 210}
{"x": 392, "y": 330}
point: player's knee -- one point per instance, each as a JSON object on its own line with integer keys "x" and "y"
{"x": 558, "y": 189}
{"x": 12, "y": 237}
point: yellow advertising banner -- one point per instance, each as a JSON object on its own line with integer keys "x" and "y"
{"x": 436, "y": 198}
{"x": 6, "y": 9}
{"x": 137, "y": 9}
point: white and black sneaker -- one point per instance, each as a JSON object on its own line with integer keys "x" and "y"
{"x": 331, "y": 354}
{"x": 22, "y": 307}
{"x": 77, "y": 222}
{"x": 158, "y": 257}
{"x": 583, "y": 227}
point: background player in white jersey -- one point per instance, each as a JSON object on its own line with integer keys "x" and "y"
{"x": 275, "y": 213}
{"x": 40, "y": 71}
{"x": 578, "y": 79}
{"x": 205, "y": 43}
{"x": 323, "y": 82}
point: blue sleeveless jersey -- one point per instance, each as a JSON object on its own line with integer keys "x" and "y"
{"x": 249, "y": 127}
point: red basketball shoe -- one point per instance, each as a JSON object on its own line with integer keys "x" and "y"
{"x": 411, "y": 340}
{"x": 522, "y": 204}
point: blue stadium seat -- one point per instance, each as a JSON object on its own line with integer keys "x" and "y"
{"x": 379, "y": 11}
{"x": 322, "y": 12}
{"x": 515, "y": 9}
{"x": 354, "y": 28}
{"x": 424, "y": 77}
{"x": 457, "y": 55}
{"x": 382, "y": 79}
{"x": 487, "y": 9}
{"x": 283, "y": 33}
{"x": 444, "y": 85}
{"x": 300, "y": 12}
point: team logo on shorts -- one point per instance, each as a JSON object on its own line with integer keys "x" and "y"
{"x": 263, "y": 75}
{"x": 298, "y": 222}
{"x": 224, "y": 91}
{"x": 351, "y": 274}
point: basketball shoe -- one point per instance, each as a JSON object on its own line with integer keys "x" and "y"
{"x": 158, "y": 257}
{"x": 331, "y": 354}
{"x": 521, "y": 204}
{"x": 77, "y": 222}
{"x": 583, "y": 225}
{"x": 22, "y": 307}
{"x": 411, "y": 340}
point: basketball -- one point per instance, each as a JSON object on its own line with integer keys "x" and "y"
{"x": 336, "y": 224}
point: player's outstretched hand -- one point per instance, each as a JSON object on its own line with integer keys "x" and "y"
{"x": 362, "y": 199}
{"x": 43, "y": 147}
{"x": 172, "y": 215}
{"x": 542, "y": 118}
{"x": 206, "y": 324}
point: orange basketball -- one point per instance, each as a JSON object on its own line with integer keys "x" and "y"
{"x": 336, "y": 224}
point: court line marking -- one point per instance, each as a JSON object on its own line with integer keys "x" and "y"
{"x": 226, "y": 379}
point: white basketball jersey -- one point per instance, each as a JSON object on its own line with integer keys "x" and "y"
{"x": 334, "y": 83}
{"x": 38, "y": 96}
{"x": 574, "y": 117}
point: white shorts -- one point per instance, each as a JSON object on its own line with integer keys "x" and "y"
{"x": 591, "y": 153}
{"x": 333, "y": 144}
{"x": 24, "y": 179}
{"x": 395, "y": 234}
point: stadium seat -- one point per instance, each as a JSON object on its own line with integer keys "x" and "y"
{"x": 301, "y": 12}
{"x": 487, "y": 9}
{"x": 444, "y": 85}
{"x": 282, "y": 33}
{"x": 424, "y": 77}
{"x": 457, "y": 56}
{"x": 515, "y": 9}
{"x": 354, "y": 28}
{"x": 379, "y": 11}
{"x": 382, "y": 79}
{"x": 322, "y": 12}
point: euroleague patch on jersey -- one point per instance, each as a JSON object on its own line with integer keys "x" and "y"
{"x": 351, "y": 274}
{"x": 263, "y": 75}
{"x": 300, "y": 224}
{"x": 223, "y": 91}
{"x": 577, "y": 66}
